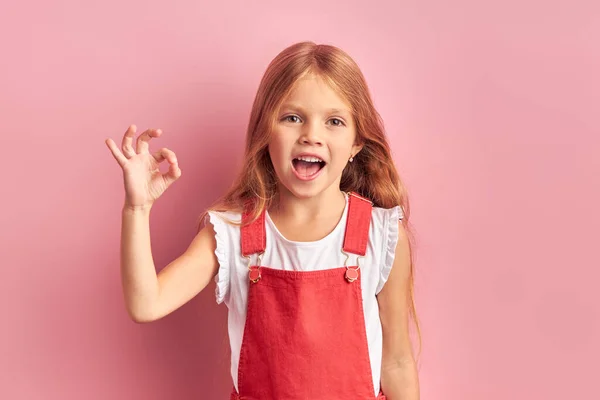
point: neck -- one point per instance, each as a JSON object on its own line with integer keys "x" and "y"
{"x": 329, "y": 202}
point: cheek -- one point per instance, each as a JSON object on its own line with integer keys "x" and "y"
{"x": 276, "y": 149}
{"x": 342, "y": 153}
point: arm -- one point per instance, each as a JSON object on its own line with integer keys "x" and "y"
{"x": 150, "y": 296}
{"x": 399, "y": 376}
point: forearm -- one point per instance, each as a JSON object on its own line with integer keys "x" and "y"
{"x": 401, "y": 381}
{"x": 138, "y": 273}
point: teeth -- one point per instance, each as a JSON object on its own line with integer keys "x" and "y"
{"x": 309, "y": 159}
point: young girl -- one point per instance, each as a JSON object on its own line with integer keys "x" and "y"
{"x": 309, "y": 248}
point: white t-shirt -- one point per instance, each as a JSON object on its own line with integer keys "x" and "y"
{"x": 375, "y": 266}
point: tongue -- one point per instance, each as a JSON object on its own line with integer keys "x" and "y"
{"x": 307, "y": 168}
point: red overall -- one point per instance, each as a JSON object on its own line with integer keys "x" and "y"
{"x": 305, "y": 336}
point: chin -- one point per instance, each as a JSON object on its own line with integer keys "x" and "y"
{"x": 305, "y": 190}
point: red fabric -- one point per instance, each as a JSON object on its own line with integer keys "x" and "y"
{"x": 357, "y": 227}
{"x": 235, "y": 396}
{"x": 254, "y": 239}
{"x": 305, "y": 334}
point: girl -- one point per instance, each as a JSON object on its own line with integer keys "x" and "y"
{"x": 309, "y": 248}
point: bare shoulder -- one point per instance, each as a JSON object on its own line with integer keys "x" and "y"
{"x": 203, "y": 241}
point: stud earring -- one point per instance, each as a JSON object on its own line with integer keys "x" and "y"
{"x": 351, "y": 159}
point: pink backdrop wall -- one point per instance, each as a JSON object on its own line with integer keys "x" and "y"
{"x": 492, "y": 111}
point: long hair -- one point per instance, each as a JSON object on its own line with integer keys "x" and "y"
{"x": 372, "y": 174}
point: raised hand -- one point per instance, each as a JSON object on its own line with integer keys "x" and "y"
{"x": 144, "y": 183}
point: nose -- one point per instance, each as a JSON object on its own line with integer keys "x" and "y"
{"x": 311, "y": 135}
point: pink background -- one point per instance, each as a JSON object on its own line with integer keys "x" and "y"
{"x": 492, "y": 112}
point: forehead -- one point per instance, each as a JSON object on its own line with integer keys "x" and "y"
{"x": 314, "y": 94}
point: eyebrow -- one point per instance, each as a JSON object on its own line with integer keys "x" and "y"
{"x": 291, "y": 106}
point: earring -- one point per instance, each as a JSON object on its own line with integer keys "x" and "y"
{"x": 351, "y": 159}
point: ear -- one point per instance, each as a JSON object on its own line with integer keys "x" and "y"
{"x": 356, "y": 149}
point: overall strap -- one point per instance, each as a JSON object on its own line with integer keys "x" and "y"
{"x": 253, "y": 236}
{"x": 358, "y": 222}
{"x": 356, "y": 237}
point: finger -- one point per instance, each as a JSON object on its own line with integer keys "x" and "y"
{"x": 121, "y": 159}
{"x": 174, "y": 171}
{"x": 127, "y": 144}
{"x": 172, "y": 174}
{"x": 165, "y": 154}
{"x": 143, "y": 140}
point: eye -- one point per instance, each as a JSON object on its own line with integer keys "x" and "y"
{"x": 287, "y": 119}
{"x": 339, "y": 122}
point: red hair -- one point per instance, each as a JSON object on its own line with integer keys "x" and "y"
{"x": 372, "y": 174}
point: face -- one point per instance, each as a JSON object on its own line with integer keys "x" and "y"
{"x": 313, "y": 139}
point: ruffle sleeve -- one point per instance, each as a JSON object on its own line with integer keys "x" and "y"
{"x": 223, "y": 274}
{"x": 390, "y": 239}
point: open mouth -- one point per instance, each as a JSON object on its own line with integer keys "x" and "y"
{"x": 307, "y": 167}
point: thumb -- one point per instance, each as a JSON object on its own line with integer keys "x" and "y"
{"x": 172, "y": 174}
